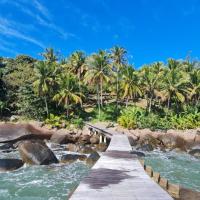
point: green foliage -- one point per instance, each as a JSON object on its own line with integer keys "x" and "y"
{"x": 108, "y": 113}
{"x": 77, "y": 122}
{"x": 129, "y": 117}
{"x": 56, "y": 121}
{"x": 134, "y": 117}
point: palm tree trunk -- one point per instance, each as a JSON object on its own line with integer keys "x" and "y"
{"x": 67, "y": 109}
{"x": 127, "y": 102}
{"x": 150, "y": 104}
{"x": 101, "y": 85}
{"x": 117, "y": 88}
{"x": 168, "y": 103}
{"x": 46, "y": 105}
{"x": 98, "y": 101}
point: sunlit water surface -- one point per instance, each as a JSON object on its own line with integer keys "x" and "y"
{"x": 54, "y": 182}
{"x": 179, "y": 168}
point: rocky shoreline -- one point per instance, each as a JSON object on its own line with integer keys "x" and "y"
{"x": 36, "y": 145}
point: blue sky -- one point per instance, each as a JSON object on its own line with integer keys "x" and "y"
{"x": 151, "y": 30}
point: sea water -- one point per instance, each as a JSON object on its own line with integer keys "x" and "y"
{"x": 178, "y": 168}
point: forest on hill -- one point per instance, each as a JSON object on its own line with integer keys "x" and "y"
{"x": 102, "y": 86}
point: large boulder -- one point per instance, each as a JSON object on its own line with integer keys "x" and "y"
{"x": 94, "y": 139}
{"x": 84, "y": 139}
{"x": 92, "y": 159}
{"x": 172, "y": 141}
{"x": 69, "y": 158}
{"x": 63, "y": 138}
{"x": 10, "y": 164}
{"x": 14, "y": 132}
{"x": 148, "y": 143}
{"x": 36, "y": 152}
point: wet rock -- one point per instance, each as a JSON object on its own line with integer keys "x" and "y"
{"x": 86, "y": 150}
{"x": 16, "y": 132}
{"x": 92, "y": 159}
{"x": 72, "y": 147}
{"x": 36, "y": 152}
{"x": 101, "y": 147}
{"x": 145, "y": 147}
{"x": 148, "y": 143}
{"x": 7, "y": 146}
{"x": 69, "y": 158}
{"x": 63, "y": 138}
{"x": 94, "y": 139}
{"x": 84, "y": 139}
{"x": 168, "y": 140}
{"x": 138, "y": 153}
{"x": 132, "y": 140}
{"x": 10, "y": 164}
{"x": 195, "y": 152}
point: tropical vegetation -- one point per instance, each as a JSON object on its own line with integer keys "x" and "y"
{"x": 103, "y": 86}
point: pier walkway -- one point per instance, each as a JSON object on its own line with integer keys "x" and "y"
{"x": 118, "y": 175}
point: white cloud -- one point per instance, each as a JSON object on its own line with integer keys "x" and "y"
{"x": 9, "y": 28}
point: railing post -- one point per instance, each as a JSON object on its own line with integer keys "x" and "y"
{"x": 104, "y": 139}
{"x": 100, "y": 138}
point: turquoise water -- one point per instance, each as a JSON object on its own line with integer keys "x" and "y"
{"x": 53, "y": 182}
{"x": 179, "y": 168}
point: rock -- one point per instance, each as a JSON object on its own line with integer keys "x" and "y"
{"x": 10, "y": 164}
{"x": 195, "y": 153}
{"x": 36, "y": 152}
{"x": 132, "y": 141}
{"x": 84, "y": 139}
{"x": 168, "y": 140}
{"x": 148, "y": 143}
{"x": 69, "y": 158}
{"x": 101, "y": 147}
{"x": 7, "y": 146}
{"x": 86, "y": 150}
{"x": 72, "y": 147}
{"x": 145, "y": 147}
{"x": 138, "y": 153}
{"x": 94, "y": 139}
{"x": 173, "y": 141}
{"x": 60, "y": 138}
{"x": 92, "y": 159}
{"x": 16, "y": 132}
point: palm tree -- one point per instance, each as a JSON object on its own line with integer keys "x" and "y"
{"x": 194, "y": 85}
{"x": 130, "y": 84}
{"x": 50, "y": 55}
{"x": 98, "y": 73}
{"x": 119, "y": 61}
{"x": 150, "y": 78}
{"x": 45, "y": 76}
{"x": 78, "y": 65}
{"x": 67, "y": 91}
{"x": 174, "y": 86}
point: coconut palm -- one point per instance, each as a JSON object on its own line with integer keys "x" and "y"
{"x": 175, "y": 81}
{"x": 45, "y": 76}
{"x": 77, "y": 65}
{"x": 130, "y": 84}
{"x": 151, "y": 75}
{"x": 50, "y": 55}
{"x": 194, "y": 85}
{"x": 67, "y": 91}
{"x": 98, "y": 73}
{"x": 118, "y": 62}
